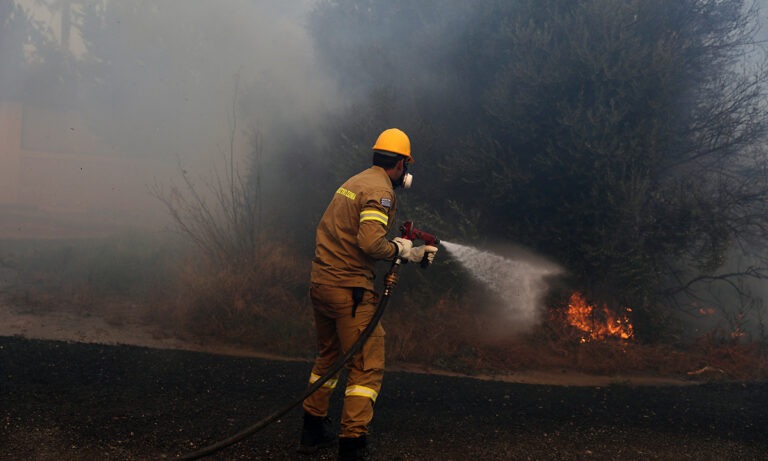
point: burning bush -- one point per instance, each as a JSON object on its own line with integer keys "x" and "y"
{"x": 597, "y": 322}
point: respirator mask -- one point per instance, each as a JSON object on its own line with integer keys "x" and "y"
{"x": 406, "y": 179}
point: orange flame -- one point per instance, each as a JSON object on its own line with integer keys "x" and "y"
{"x": 597, "y": 323}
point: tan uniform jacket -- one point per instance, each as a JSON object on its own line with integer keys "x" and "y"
{"x": 352, "y": 234}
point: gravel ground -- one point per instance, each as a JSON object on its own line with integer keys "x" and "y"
{"x": 73, "y": 401}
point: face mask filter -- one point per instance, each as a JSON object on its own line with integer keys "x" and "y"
{"x": 406, "y": 180}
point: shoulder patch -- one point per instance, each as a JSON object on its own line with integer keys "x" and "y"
{"x": 385, "y": 202}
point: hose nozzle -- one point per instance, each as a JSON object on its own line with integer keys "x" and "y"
{"x": 409, "y": 232}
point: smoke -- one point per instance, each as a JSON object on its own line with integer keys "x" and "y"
{"x": 156, "y": 85}
{"x": 156, "y": 82}
{"x": 519, "y": 281}
{"x": 727, "y": 307}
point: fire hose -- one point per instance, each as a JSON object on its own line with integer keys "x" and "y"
{"x": 408, "y": 231}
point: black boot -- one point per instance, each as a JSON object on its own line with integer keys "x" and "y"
{"x": 352, "y": 449}
{"x": 315, "y": 434}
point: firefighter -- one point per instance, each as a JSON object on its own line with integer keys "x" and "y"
{"x": 351, "y": 237}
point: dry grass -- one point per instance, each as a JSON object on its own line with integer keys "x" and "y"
{"x": 450, "y": 336}
{"x": 264, "y": 306}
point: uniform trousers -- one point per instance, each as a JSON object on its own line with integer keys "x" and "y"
{"x": 337, "y": 330}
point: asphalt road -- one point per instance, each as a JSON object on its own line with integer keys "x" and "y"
{"x": 70, "y": 401}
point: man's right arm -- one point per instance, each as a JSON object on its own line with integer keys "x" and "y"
{"x": 372, "y": 233}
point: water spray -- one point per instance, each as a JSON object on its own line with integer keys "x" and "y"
{"x": 520, "y": 283}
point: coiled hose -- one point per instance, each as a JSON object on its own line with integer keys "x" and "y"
{"x": 269, "y": 419}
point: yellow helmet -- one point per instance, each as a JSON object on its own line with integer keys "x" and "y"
{"x": 394, "y": 141}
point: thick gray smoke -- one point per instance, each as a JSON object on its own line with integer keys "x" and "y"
{"x": 157, "y": 85}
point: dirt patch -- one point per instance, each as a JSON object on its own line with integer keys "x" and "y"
{"x": 125, "y": 329}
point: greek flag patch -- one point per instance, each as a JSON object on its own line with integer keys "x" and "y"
{"x": 385, "y": 202}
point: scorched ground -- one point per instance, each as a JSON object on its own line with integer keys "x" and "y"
{"x": 71, "y": 401}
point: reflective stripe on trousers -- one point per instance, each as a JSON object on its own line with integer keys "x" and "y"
{"x": 330, "y": 384}
{"x": 361, "y": 391}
